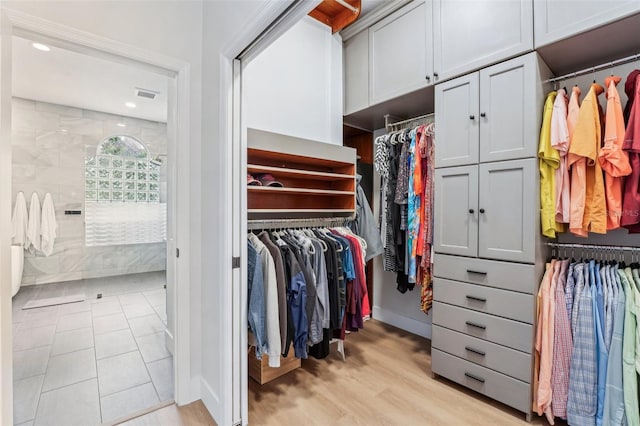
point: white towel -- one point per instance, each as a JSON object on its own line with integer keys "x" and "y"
{"x": 33, "y": 229}
{"x": 49, "y": 225}
{"x": 19, "y": 220}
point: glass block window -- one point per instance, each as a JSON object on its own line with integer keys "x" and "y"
{"x": 122, "y": 194}
{"x": 121, "y": 171}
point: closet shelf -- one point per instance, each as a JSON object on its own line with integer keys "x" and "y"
{"x": 285, "y": 190}
{"x": 286, "y": 213}
{"x": 255, "y": 168}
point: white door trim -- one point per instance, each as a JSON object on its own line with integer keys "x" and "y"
{"x": 21, "y": 24}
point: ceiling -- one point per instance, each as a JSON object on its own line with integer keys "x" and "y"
{"x": 367, "y": 6}
{"x": 68, "y": 78}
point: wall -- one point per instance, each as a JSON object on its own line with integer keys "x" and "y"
{"x": 391, "y": 306}
{"x": 48, "y": 146}
{"x": 294, "y": 87}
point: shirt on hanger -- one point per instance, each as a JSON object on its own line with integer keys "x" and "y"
{"x": 631, "y": 196}
{"x": 549, "y": 161}
{"x": 560, "y": 142}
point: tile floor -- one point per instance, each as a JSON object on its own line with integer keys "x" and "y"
{"x": 94, "y": 361}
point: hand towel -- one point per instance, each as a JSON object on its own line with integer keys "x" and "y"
{"x": 49, "y": 225}
{"x": 19, "y": 220}
{"x": 33, "y": 229}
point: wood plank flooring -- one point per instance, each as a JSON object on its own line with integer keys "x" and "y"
{"x": 386, "y": 380}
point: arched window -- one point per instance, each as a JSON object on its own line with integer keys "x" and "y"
{"x": 121, "y": 171}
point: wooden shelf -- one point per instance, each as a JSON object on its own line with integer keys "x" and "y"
{"x": 285, "y": 190}
{"x": 254, "y": 168}
{"x": 318, "y": 179}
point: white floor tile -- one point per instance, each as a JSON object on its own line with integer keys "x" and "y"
{"x": 26, "y": 393}
{"x": 146, "y": 325}
{"x": 136, "y": 310}
{"x": 153, "y": 347}
{"x": 72, "y": 308}
{"x": 121, "y": 372}
{"x": 127, "y": 402}
{"x": 75, "y": 405}
{"x": 156, "y": 297}
{"x": 74, "y": 321}
{"x": 71, "y": 341}
{"x": 115, "y": 343}
{"x": 131, "y": 299}
{"x": 30, "y": 362}
{"x": 109, "y": 323}
{"x": 162, "y": 376}
{"x": 161, "y": 310}
{"x": 67, "y": 369}
{"x": 33, "y": 338}
{"x": 107, "y": 308}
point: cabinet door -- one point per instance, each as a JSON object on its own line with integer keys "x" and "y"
{"x": 400, "y": 47}
{"x": 456, "y": 211}
{"x": 508, "y": 129}
{"x": 507, "y": 206}
{"x": 558, "y": 19}
{"x": 469, "y": 34}
{"x": 456, "y": 107}
{"x": 356, "y": 72}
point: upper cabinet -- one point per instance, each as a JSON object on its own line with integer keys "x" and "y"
{"x": 487, "y": 115}
{"x": 356, "y": 72}
{"x": 469, "y": 34}
{"x": 558, "y": 19}
{"x": 400, "y": 52}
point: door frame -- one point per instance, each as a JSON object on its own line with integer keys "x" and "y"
{"x": 14, "y": 23}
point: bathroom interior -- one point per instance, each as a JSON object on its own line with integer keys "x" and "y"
{"x": 89, "y": 214}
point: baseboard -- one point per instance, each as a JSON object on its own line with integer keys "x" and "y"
{"x": 169, "y": 341}
{"x": 408, "y": 324}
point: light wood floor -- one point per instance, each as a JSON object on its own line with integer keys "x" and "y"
{"x": 386, "y": 380}
{"x": 194, "y": 414}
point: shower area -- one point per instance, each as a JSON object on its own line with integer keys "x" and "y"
{"x": 89, "y": 188}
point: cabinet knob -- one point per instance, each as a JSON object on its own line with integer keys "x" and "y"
{"x": 427, "y": 78}
{"x": 482, "y": 114}
{"x": 435, "y": 74}
{"x": 471, "y": 211}
{"x": 481, "y": 210}
{"x": 472, "y": 117}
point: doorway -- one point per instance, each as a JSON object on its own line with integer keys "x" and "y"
{"x": 84, "y": 295}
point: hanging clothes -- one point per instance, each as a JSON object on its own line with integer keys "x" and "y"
{"x": 588, "y": 206}
{"x": 20, "y": 221}
{"x": 549, "y": 161}
{"x": 613, "y": 160}
{"x": 34, "y": 232}
{"x": 631, "y": 194}
{"x": 560, "y": 142}
{"x": 48, "y": 226}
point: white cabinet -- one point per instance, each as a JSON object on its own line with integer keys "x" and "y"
{"x": 469, "y": 34}
{"x": 487, "y": 210}
{"x": 456, "y": 206}
{"x": 558, "y": 19}
{"x": 356, "y": 72}
{"x": 400, "y": 52}
{"x": 456, "y": 106}
{"x": 489, "y": 115}
{"x": 507, "y": 210}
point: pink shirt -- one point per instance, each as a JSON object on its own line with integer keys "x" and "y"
{"x": 560, "y": 141}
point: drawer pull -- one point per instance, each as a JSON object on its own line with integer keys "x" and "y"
{"x": 473, "y": 324}
{"x": 477, "y": 299}
{"x": 471, "y": 271}
{"x": 474, "y": 377}
{"x": 475, "y": 351}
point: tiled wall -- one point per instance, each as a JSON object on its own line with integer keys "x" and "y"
{"x": 49, "y": 144}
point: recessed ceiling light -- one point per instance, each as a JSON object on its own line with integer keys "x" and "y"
{"x": 130, "y": 105}
{"x": 41, "y": 46}
{"x": 121, "y": 125}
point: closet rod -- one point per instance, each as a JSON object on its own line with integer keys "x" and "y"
{"x": 347, "y": 5}
{"x": 296, "y": 223}
{"x": 592, "y": 246}
{"x": 393, "y": 126}
{"x": 606, "y": 65}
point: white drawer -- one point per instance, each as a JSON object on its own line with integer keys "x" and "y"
{"x": 503, "y": 303}
{"x": 514, "y": 334}
{"x": 492, "y": 273}
{"x": 496, "y": 357}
